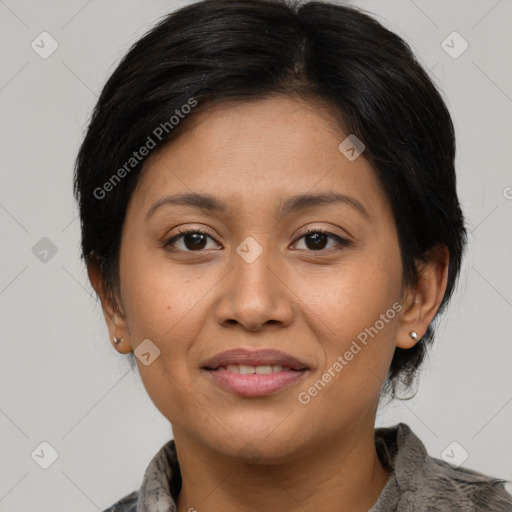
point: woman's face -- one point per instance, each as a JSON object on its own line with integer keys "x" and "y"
{"x": 250, "y": 279}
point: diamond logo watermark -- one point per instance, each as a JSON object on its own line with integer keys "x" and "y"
{"x": 44, "y": 45}
{"x": 454, "y": 45}
{"x": 352, "y": 147}
{"x": 249, "y": 249}
{"x": 454, "y": 454}
{"x": 44, "y": 455}
{"x": 146, "y": 352}
{"x": 44, "y": 250}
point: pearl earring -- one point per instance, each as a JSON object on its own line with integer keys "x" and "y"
{"x": 117, "y": 340}
{"x": 413, "y": 335}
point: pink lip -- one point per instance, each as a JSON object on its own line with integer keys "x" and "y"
{"x": 255, "y": 384}
{"x": 261, "y": 357}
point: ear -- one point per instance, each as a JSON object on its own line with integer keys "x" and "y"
{"x": 423, "y": 301}
{"x": 114, "y": 316}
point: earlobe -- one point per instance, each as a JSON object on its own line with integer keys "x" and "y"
{"x": 424, "y": 300}
{"x": 114, "y": 318}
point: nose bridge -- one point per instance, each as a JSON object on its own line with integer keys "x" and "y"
{"x": 254, "y": 294}
{"x": 252, "y": 259}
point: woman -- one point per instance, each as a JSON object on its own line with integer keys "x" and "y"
{"x": 270, "y": 219}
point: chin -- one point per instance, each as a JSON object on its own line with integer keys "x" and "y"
{"x": 258, "y": 441}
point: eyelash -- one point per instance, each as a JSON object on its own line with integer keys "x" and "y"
{"x": 167, "y": 245}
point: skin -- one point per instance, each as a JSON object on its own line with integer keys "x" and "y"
{"x": 267, "y": 453}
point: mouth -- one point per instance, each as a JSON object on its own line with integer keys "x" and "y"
{"x": 253, "y": 383}
{"x": 242, "y": 360}
{"x": 254, "y": 373}
{"x": 245, "y": 369}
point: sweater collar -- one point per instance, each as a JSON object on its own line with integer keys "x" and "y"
{"x": 398, "y": 448}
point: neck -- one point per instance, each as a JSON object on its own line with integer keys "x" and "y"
{"x": 343, "y": 475}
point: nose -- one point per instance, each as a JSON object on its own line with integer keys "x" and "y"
{"x": 255, "y": 292}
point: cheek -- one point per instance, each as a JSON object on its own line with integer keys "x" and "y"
{"x": 354, "y": 315}
{"x": 164, "y": 303}
{"x": 159, "y": 298}
{"x": 162, "y": 306}
{"x": 346, "y": 301}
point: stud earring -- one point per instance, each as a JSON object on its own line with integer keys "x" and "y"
{"x": 117, "y": 340}
{"x": 413, "y": 335}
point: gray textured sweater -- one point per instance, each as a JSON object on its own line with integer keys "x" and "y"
{"x": 418, "y": 483}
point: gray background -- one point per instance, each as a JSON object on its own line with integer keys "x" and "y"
{"x": 60, "y": 379}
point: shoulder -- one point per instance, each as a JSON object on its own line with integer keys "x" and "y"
{"x": 126, "y": 504}
{"x": 429, "y": 483}
{"x": 463, "y": 489}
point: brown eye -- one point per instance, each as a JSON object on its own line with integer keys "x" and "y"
{"x": 192, "y": 240}
{"x": 195, "y": 240}
{"x": 318, "y": 239}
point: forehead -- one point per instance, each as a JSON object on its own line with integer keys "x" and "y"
{"x": 253, "y": 155}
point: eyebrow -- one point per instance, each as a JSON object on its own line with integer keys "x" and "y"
{"x": 289, "y": 205}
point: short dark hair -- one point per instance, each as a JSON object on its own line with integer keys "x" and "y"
{"x": 215, "y": 51}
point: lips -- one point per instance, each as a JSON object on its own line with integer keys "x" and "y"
{"x": 254, "y": 358}
{"x": 254, "y": 373}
